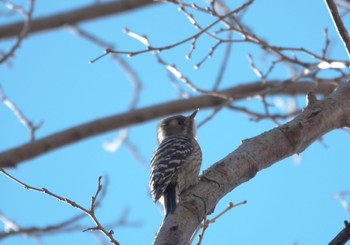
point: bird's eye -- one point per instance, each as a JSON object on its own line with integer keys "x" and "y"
{"x": 181, "y": 122}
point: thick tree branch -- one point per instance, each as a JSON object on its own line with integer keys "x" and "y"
{"x": 253, "y": 155}
{"x": 343, "y": 236}
{"x": 14, "y": 156}
{"x": 74, "y": 16}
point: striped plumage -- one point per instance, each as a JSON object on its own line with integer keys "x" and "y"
{"x": 176, "y": 162}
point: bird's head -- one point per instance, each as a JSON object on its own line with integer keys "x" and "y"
{"x": 177, "y": 125}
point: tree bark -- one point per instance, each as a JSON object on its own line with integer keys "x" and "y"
{"x": 253, "y": 155}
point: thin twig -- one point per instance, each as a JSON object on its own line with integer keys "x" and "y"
{"x": 19, "y": 114}
{"x": 341, "y": 196}
{"x": 212, "y": 114}
{"x": 123, "y": 138}
{"x": 122, "y": 63}
{"x": 15, "y": 229}
{"x": 224, "y": 64}
{"x": 90, "y": 212}
{"x": 207, "y": 222}
{"x": 27, "y": 15}
{"x": 159, "y": 49}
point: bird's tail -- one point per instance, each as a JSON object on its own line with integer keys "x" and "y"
{"x": 169, "y": 199}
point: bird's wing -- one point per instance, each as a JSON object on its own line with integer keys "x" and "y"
{"x": 168, "y": 158}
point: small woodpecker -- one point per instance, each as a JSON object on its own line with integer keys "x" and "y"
{"x": 176, "y": 162}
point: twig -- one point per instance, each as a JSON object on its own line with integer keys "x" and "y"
{"x": 123, "y": 64}
{"x": 344, "y": 5}
{"x": 15, "y": 229}
{"x": 258, "y": 72}
{"x": 255, "y": 116}
{"x": 89, "y": 212}
{"x": 175, "y": 72}
{"x": 19, "y": 114}
{"x": 178, "y": 74}
{"x": 159, "y": 49}
{"x": 207, "y": 222}
{"x": 116, "y": 143}
{"x": 339, "y": 25}
{"x": 27, "y": 15}
{"x": 224, "y": 64}
{"x": 327, "y": 42}
{"x": 267, "y": 111}
{"x": 212, "y": 114}
{"x": 123, "y": 138}
{"x": 343, "y": 201}
{"x": 136, "y": 154}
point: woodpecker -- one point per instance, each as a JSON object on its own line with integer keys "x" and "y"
{"x": 176, "y": 162}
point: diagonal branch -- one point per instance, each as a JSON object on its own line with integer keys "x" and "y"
{"x": 74, "y": 16}
{"x": 343, "y": 236}
{"x": 19, "y": 114}
{"x": 12, "y": 157}
{"x": 252, "y": 156}
{"x": 339, "y": 25}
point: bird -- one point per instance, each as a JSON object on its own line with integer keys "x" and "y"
{"x": 176, "y": 161}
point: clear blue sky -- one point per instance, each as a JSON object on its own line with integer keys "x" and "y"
{"x": 50, "y": 79}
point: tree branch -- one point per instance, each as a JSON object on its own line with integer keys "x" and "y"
{"x": 19, "y": 114}
{"x": 22, "y": 31}
{"x": 339, "y": 25}
{"x": 253, "y": 155}
{"x": 74, "y": 16}
{"x": 343, "y": 236}
{"x": 89, "y": 212}
{"x": 27, "y": 151}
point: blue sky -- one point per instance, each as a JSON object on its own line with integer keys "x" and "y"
{"x": 50, "y": 79}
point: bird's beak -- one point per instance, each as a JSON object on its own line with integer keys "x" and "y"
{"x": 191, "y": 117}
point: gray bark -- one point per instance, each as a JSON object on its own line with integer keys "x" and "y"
{"x": 253, "y": 155}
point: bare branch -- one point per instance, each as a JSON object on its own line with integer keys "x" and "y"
{"x": 122, "y": 63}
{"x": 27, "y": 15}
{"x": 344, "y": 6}
{"x": 206, "y": 222}
{"x": 327, "y": 42}
{"x": 223, "y": 66}
{"x": 176, "y": 73}
{"x": 69, "y": 225}
{"x": 212, "y": 114}
{"x": 341, "y": 196}
{"x": 123, "y": 138}
{"x": 90, "y": 212}
{"x": 339, "y": 25}
{"x": 74, "y": 16}
{"x": 14, "y": 229}
{"x": 255, "y": 116}
{"x": 343, "y": 236}
{"x": 159, "y": 49}
{"x": 19, "y": 114}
